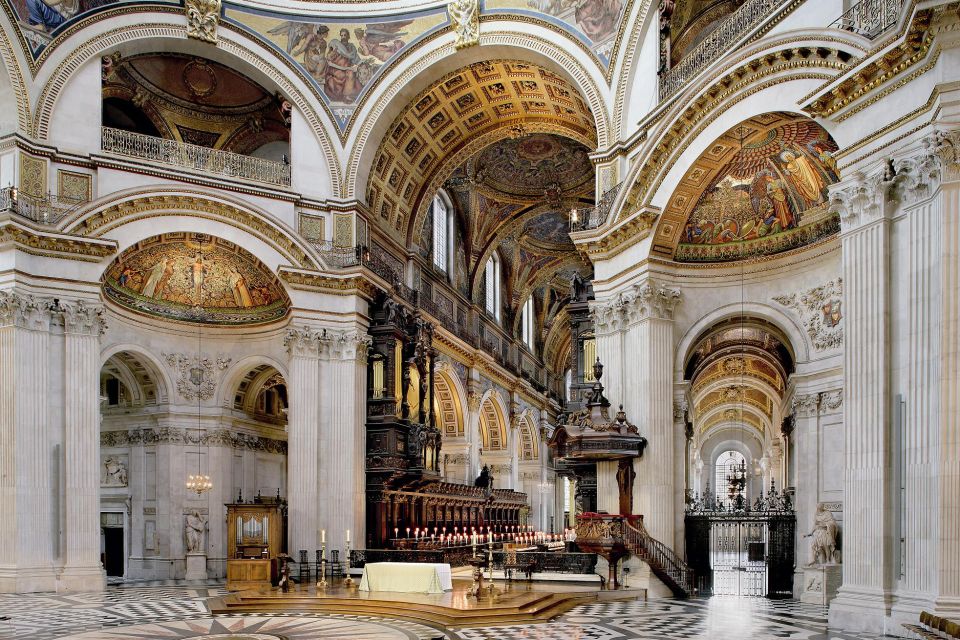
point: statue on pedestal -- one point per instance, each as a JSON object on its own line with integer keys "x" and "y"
{"x": 823, "y": 546}
{"x": 194, "y": 527}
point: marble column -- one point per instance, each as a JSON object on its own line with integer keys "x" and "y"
{"x": 473, "y": 433}
{"x": 26, "y": 471}
{"x": 679, "y": 468}
{"x": 343, "y": 369}
{"x": 805, "y": 408}
{"x": 649, "y": 340}
{"x": 303, "y": 423}
{"x": 82, "y": 325}
{"x": 865, "y": 210}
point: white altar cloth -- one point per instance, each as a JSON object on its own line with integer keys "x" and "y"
{"x": 409, "y": 577}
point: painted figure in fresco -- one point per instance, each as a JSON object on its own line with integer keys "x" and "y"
{"x": 805, "y": 178}
{"x": 597, "y": 18}
{"x": 343, "y": 59}
{"x": 238, "y": 284}
{"x": 382, "y": 40}
{"x": 823, "y": 154}
{"x": 314, "y": 52}
{"x": 778, "y": 199}
{"x": 49, "y": 15}
{"x": 293, "y": 31}
{"x": 197, "y": 272}
{"x": 150, "y": 286}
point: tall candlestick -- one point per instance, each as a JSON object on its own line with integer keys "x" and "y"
{"x": 323, "y": 536}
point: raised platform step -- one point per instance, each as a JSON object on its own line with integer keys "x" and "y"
{"x": 518, "y": 603}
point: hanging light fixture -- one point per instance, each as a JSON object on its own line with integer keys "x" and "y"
{"x": 199, "y": 483}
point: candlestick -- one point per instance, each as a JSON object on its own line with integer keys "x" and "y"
{"x": 322, "y": 583}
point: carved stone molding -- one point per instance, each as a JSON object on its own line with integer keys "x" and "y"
{"x": 643, "y": 301}
{"x": 862, "y": 199}
{"x": 348, "y": 345}
{"x": 83, "y": 318}
{"x": 805, "y": 405}
{"x": 465, "y": 20}
{"x": 25, "y": 311}
{"x": 473, "y": 400}
{"x": 679, "y": 409}
{"x": 946, "y": 145}
{"x": 203, "y": 16}
{"x": 821, "y": 313}
{"x": 173, "y": 435}
{"x": 303, "y": 341}
{"x": 456, "y": 458}
{"x": 831, "y": 401}
{"x": 197, "y": 375}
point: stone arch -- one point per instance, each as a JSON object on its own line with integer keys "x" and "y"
{"x": 140, "y": 369}
{"x": 449, "y": 399}
{"x": 104, "y": 34}
{"x": 787, "y": 325}
{"x": 772, "y": 75}
{"x": 528, "y": 441}
{"x": 238, "y": 374}
{"x": 127, "y": 217}
{"x": 499, "y": 40}
{"x": 493, "y": 424}
{"x": 13, "y": 88}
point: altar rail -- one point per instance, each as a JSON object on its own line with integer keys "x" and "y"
{"x": 540, "y": 561}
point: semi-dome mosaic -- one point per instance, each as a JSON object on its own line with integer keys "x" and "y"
{"x": 757, "y": 190}
{"x": 195, "y": 278}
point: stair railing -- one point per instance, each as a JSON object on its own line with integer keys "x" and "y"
{"x": 661, "y": 558}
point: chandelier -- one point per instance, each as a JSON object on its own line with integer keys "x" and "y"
{"x": 199, "y": 483}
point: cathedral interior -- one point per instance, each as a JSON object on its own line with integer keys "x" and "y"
{"x": 480, "y": 319}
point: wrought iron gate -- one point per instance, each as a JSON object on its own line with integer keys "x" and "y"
{"x": 742, "y": 552}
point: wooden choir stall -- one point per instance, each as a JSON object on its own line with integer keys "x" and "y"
{"x": 254, "y": 541}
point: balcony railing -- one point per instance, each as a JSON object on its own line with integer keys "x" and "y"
{"x": 46, "y": 209}
{"x": 194, "y": 157}
{"x": 741, "y": 22}
{"x": 595, "y": 216}
{"x": 870, "y": 18}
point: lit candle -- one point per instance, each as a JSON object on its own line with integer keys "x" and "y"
{"x": 323, "y": 536}
{"x": 348, "y": 536}
{"x": 408, "y": 532}
{"x": 396, "y": 532}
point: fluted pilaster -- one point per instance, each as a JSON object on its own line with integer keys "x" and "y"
{"x": 26, "y": 454}
{"x": 83, "y": 325}
{"x": 303, "y": 423}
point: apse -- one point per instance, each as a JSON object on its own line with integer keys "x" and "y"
{"x": 195, "y": 278}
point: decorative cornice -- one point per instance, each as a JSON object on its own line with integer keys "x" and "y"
{"x": 25, "y": 311}
{"x": 83, "y": 318}
{"x": 356, "y": 284}
{"x": 53, "y": 245}
{"x": 173, "y": 435}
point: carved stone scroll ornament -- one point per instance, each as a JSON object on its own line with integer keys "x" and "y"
{"x": 197, "y": 375}
{"x": 465, "y": 20}
{"x": 203, "y": 16}
{"x": 820, "y": 311}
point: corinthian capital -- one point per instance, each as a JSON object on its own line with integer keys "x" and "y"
{"x": 25, "y": 311}
{"x": 303, "y": 341}
{"x": 946, "y": 146}
{"x": 862, "y": 199}
{"x": 806, "y": 405}
{"x": 349, "y": 345}
{"x": 651, "y": 300}
{"x": 83, "y": 318}
{"x": 608, "y": 315}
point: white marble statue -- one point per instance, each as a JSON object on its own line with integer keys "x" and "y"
{"x": 115, "y": 472}
{"x": 823, "y": 546}
{"x": 194, "y": 528}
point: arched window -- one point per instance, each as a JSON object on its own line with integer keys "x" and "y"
{"x": 492, "y": 282}
{"x": 443, "y": 250}
{"x": 729, "y": 477}
{"x": 527, "y": 323}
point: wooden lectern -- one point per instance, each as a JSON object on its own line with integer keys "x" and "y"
{"x": 254, "y": 541}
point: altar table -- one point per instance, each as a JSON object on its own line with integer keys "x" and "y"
{"x": 410, "y": 577}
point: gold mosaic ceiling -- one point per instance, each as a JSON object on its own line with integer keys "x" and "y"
{"x": 460, "y": 114}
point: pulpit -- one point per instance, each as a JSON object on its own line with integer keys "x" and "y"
{"x": 254, "y": 541}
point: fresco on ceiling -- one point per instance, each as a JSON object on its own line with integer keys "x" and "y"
{"x": 534, "y": 167}
{"x": 195, "y": 278}
{"x": 596, "y": 21}
{"x": 341, "y": 57}
{"x": 41, "y": 21}
{"x": 770, "y": 197}
{"x": 550, "y": 228}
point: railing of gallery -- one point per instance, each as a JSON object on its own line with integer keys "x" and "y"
{"x": 870, "y": 18}
{"x": 536, "y": 561}
{"x": 45, "y": 209}
{"x": 593, "y": 217}
{"x": 195, "y": 157}
{"x": 741, "y": 22}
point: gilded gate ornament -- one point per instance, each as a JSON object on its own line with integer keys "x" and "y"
{"x": 465, "y": 20}
{"x": 203, "y": 16}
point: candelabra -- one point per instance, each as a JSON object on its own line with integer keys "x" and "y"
{"x": 348, "y": 581}
{"x": 322, "y": 582}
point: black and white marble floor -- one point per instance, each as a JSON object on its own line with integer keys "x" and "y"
{"x": 169, "y": 611}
